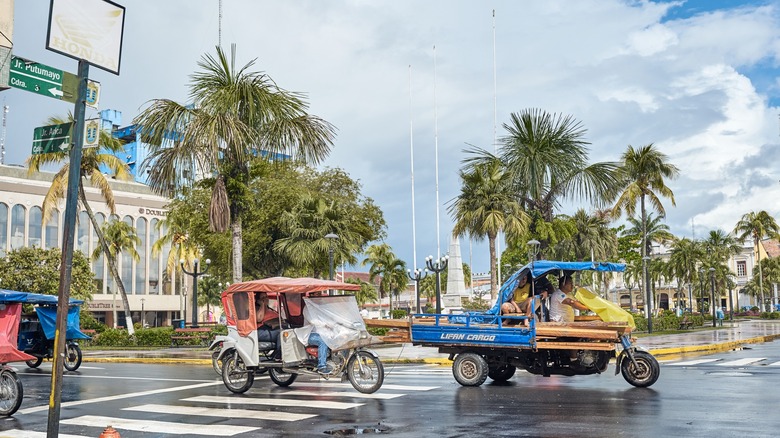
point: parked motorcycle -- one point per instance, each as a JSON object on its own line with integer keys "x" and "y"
{"x": 36, "y": 337}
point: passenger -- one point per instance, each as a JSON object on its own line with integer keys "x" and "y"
{"x": 516, "y": 301}
{"x": 309, "y": 336}
{"x": 562, "y": 303}
{"x": 267, "y": 320}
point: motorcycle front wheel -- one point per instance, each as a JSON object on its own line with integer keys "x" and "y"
{"x": 280, "y": 377}
{"x": 235, "y": 375}
{"x": 365, "y": 372}
{"x": 11, "y": 392}
{"x": 72, "y": 357}
{"x": 643, "y": 375}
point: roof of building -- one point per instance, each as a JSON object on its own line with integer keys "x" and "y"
{"x": 772, "y": 247}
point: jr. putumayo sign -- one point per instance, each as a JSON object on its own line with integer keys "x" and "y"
{"x": 91, "y": 30}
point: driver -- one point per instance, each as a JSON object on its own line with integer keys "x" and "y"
{"x": 267, "y": 320}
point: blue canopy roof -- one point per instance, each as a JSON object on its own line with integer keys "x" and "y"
{"x": 12, "y": 296}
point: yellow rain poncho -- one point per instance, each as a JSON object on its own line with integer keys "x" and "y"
{"x": 608, "y": 311}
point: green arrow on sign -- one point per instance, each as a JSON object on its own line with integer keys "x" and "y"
{"x": 52, "y": 138}
{"x": 42, "y": 79}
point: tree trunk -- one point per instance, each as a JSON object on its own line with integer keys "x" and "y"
{"x": 760, "y": 277}
{"x": 111, "y": 262}
{"x": 493, "y": 266}
{"x": 238, "y": 252}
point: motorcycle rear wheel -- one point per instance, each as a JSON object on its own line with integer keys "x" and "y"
{"x": 216, "y": 362}
{"x": 280, "y": 377}
{"x": 236, "y": 377}
{"x": 11, "y": 392}
{"x": 35, "y": 363}
{"x": 72, "y": 357}
{"x": 365, "y": 372}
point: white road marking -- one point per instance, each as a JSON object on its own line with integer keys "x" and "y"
{"x": 774, "y": 364}
{"x": 159, "y": 427}
{"x": 16, "y": 433}
{"x": 693, "y": 362}
{"x": 286, "y": 402}
{"x": 119, "y": 397}
{"x": 151, "y": 379}
{"x": 389, "y": 386}
{"x": 740, "y": 362}
{"x": 222, "y": 413}
{"x": 350, "y": 394}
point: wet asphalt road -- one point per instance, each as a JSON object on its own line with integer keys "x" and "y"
{"x": 725, "y": 394}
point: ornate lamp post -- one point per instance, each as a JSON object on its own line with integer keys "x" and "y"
{"x": 331, "y": 238}
{"x": 195, "y": 274}
{"x": 701, "y": 291}
{"x": 648, "y": 296}
{"x": 418, "y": 275}
{"x": 712, "y": 294}
{"x": 438, "y": 266}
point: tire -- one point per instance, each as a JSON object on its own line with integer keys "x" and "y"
{"x": 72, "y": 360}
{"x": 34, "y": 363}
{"x": 11, "y": 392}
{"x": 470, "y": 369}
{"x": 645, "y": 374}
{"x": 365, "y": 372}
{"x": 235, "y": 376}
{"x": 502, "y": 373}
{"x": 216, "y": 362}
{"x": 280, "y": 377}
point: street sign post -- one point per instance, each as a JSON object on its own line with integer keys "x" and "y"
{"x": 52, "y": 138}
{"x": 42, "y": 79}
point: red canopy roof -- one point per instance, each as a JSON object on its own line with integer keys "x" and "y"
{"x": 290, "y": 285}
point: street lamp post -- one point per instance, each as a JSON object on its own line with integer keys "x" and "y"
{"x": 731, "y": 298}
{"x": 418, "y": 275}
{"x": 648, "y": 297}
{"x": 712, "y": 294}
{"x": 690, "y": 296}
{"x": 195, "y": 274}
{"x": 701, "y": 291}
{"x": 143, "y": 319}
{"x": 331, "y": 238}
{"x": 438, "y": 266}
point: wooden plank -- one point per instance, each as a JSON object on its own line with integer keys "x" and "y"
{"x": 605, "y": 346}
{"x": 576, "y": 332}
{"x": 389, "y": 323}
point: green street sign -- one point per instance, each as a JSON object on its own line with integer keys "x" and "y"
{"x": 52, "y": 138}
{"x": 42, "y": 79}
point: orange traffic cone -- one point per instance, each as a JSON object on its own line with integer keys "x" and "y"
{"x": 110, "y": 432}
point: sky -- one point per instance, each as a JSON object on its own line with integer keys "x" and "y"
{"x": 697, "y": 78}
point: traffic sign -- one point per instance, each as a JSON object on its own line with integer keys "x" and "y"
{"x": 42, "y": 79}
{"x": 52, "y": 138}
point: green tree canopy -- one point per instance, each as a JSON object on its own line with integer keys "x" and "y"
{"x": 37, "y": 270}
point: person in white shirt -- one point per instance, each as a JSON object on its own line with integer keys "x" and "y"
{"x": 563, "y": 303}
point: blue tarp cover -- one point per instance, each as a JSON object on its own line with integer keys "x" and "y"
{"x": 12, "y": 296}
{"x": 48, "y": 317}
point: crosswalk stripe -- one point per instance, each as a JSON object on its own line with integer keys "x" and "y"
{"x": 694, "y": 362}
{"x": 159, "y": 427}
{"x": 350, "y": 394}
{"x": 384, "y": 386}
{"x": 286, "y": 402}
{"x": 740, "y": 362}
{"x": 774, "y": 364}
{"x": 16, "y": 433}
{"x": 222, "y": 413}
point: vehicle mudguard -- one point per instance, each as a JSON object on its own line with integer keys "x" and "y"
{"x": 219, "y": 340}
{"x": 371, "y": 352}
{"x": 627, "y": 353}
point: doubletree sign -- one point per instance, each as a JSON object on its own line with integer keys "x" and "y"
{"x": 52, "y": 138}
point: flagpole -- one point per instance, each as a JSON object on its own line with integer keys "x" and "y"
{"x": 495, "y": 142}
{"x": 411, "y": 159}
{"x": 436, "y": 150}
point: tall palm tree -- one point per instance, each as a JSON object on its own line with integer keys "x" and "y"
{"x": 757, "y": 225}
{"x": 485, "y": 207}
{"x": 366, "y": 294}
{"x": 175, "y": 236}
{"x": 383, "y": 264}
{"x": 235, "y": 114}
{"x": 652, "y": 227}
{"x": 209, "y": 294}
{"x": 643, "y": 172}
{"x": 546, "y": 156}
{"x": 92, "y": 160}
{"x": 685, "y": 255}
{"x": 119, "y": 238}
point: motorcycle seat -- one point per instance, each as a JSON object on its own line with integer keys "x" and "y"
{"x": 265, "y": 346}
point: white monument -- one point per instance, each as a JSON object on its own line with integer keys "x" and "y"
{"x": 456, "y": 285}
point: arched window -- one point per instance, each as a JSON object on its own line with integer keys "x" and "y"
{"x": 53, "y": 230}
{"x": 3, "y": 228}
{"x": 98, "y": 263}
{"x": 127, "y": 263}
{"x": 140, "y": 267}
{"x": 82, "y": 239}
{"x": 17, "y": 226}
{"x": 154, "y": 258}
{"x": 34, "y": 232}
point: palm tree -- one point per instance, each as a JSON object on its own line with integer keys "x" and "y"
{"x": 643, "y": 172}
{"x": 685, "y": 254}
{"x": 209, "y": 293}
{"x": 235, "y": 115}
{"x": 383, "y": 264}
{"x": 546, "y": 156}
{"x": 366, "y": 294}
{"x": 757, "y": 226}
{"x": 119, "y": 238}
{"x": 174, "y": 235}
{"x": 653, "y": 228}
{"x": 485, "y": 207}
{"x": 92, "y": 160}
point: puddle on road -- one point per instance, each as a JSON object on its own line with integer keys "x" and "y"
{"x": 357, "y": 430}
{"x": 730, "y": 374}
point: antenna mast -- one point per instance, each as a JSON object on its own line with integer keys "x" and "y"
{"x": 2, "y": 139}
{"x": 219, "y": 40}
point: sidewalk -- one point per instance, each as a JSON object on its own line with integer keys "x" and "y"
{"x": 705, "y": 339}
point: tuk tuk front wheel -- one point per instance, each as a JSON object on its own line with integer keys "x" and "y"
{"x": 34, "y": 363}
{"x": 280, "y": 377}
{"x": 470, "y": 369}
{"x": 72, "y": 357}
{"x": 216, "y": 362}
{"x": 643, "y": 375}
{"x": 235, "y": 375}
{"x": 11, "y": 392}
{"x": 365, "y": 372}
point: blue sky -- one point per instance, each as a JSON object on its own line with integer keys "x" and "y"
{"x": 696, "y": 78}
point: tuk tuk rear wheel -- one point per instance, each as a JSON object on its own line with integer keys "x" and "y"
{"x": 502, "y": 373}
{"x": 365, "y": 372}
{"x": 280, "y": 377}
{"x": 470, "y": 369}
{"x": 236, "y": 377}
{"x": 216, "y": 362}
{"x": 645, "y": 374}
{"x": 72, "y": 357}
{"x": 35, "y": 363}
{"x": 11, "y": 392}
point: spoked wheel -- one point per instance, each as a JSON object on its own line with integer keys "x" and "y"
{"x": 502, "y": 373}
{"x": 72, "y": 357}
{"x": 216, "y": 362}
{"x": 280, "y": 377}
{"x": 365, "y": 372}
{"x": 35, "y": 363}
{"x": 470, "y": 369}
{"x": 645, "y": 373}
{"x": 11, "y": 392}
{"x": 235, "y": 374}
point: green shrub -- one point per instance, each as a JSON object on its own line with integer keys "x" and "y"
{"x": 378, "y": 331}
{"x": 113, "y": 338}
{"x": 399, "y": 314}
{"x": 154, "y": 337}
